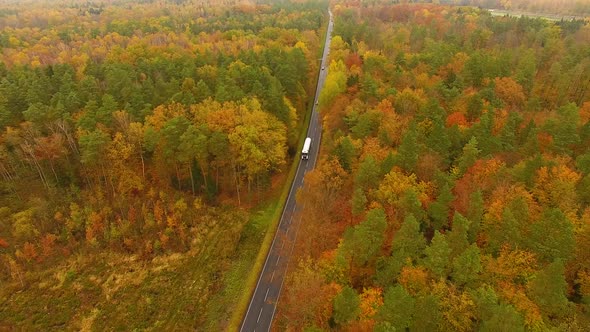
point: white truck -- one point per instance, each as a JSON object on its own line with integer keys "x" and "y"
{"x": 305, "y": 151}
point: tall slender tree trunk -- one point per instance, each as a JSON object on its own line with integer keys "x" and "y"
{"x": 9, "y": 177}
{"x": 71, "y": 142}
{"x": 142, "y": 165}
{"x": 6, "y": 173}
{"x": 107, "y": 180}
{"x": 41, "y": 173}
{"x": 351, "y": 265}
{"x": 177, "y": 175}
{"x": 15, "y": 270}
{"x": 237, "y": 182}
{"x": 22, "y": 163}
{"x": 39, "y": 169}
{"x": 53, "y": 170}
{"x": 88, "y": 182}
{"x": 28, "y": 149}
{"x": 190, "y": 170}
{"x": 12, "y": 169}
{"x": 257, "y": 187}
{"x": 204, "y": 176}
{"x": 84, "y": 174}
{"x": 582, "y": 93}
{"x": 112, "y": 185}
{"x": 217, "y": 178}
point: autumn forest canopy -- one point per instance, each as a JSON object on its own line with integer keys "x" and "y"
{"x": 138, "y": 139}
{"x": 454, "y": 188}
{"x": 140, "y": 134}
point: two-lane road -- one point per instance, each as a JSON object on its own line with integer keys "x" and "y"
{"x": 263, "y": 303}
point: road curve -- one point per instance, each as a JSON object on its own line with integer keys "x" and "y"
{"x": 263, "y": 303}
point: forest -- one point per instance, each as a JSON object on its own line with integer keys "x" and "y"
{"x": 136, "y": 138}
{"x": 453, "y": 190}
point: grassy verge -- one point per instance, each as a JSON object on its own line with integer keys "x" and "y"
{"x": 252, "y": 279}
{"x": 219, "y": 307}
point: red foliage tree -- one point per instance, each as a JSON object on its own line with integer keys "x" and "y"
{"x": 456, "y": 118}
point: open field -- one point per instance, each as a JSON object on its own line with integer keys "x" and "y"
{"x": 552, "y": 17}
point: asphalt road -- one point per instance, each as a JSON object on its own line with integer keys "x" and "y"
{"x": 268, "y": 289}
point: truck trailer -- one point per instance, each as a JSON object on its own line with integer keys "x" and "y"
{"x": 305, "y": 151}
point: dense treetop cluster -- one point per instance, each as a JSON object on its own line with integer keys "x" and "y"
{"x": 454, "y": 190}
{"x": 141, "y": 128}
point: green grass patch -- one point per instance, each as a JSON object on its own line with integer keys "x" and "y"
{"x": 223, "y": 303}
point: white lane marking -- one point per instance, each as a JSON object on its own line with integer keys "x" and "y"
{"x": 265, "y": 296}
{"x": 274, "y": 307}
{"x": 272, "y": 276}
{"x": 269, "y": 252}
{"x": 259, "y": 314}
{"x": 282, "y": 246}
{"x": 278, "y": 259}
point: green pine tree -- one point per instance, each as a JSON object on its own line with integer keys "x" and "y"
{"x": 346, "y": 306}
{"x": 438, "y": 255}
{"x": 467, "y": 266}
{"x": 367, "y": 175}
{"x": 407, "y": 152}
{"x": 408, "y": 240}
{"x": 457, "y": 237}
{"x": 548, "y": 289}
{"x": 439, "y": 209}
{"x": 397, "y": 309}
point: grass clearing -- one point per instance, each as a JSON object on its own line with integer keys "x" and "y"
{"x": 222, "y": 304}
{"x": 196, "y": 290}
{"x": 118, "y": 292}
